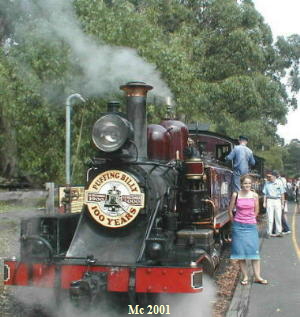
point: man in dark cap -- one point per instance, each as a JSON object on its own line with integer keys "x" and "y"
{"x": 242, "y": 157}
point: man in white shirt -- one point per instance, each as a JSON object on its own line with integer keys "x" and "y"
{"x": 282, "y": 181}
{"x": 273, "y": 198}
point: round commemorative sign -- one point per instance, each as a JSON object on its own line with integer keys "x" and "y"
{"x": 114, "y": 198}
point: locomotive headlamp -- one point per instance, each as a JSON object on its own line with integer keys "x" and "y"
{"x": 110, "y": 132}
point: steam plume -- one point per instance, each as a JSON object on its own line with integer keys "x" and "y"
{"x": 104, "y": 67}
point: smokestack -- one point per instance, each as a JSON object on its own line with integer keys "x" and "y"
{"x": 136, "y": 93}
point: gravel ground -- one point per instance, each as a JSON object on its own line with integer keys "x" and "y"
{"x": 226, "y": 278}
{"x": 9, "y": 246}
{"x": 10, "y": 218}
{"x": 218, "y": 292}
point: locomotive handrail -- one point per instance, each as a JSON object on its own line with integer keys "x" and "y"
{"x": 148, "y": 230}
{"x": 212, "y": 217}
{"x": 136, "y": 150}
{"x": 44, "y": 241}
{"x": 213, "y": 205}
{"x": 168, "y": 164}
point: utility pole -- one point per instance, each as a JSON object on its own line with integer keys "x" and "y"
{"x": 68, "y": 147}
{"x": 68, "y": 134}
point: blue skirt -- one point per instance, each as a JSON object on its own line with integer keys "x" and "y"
{"x": 245, "y": 241}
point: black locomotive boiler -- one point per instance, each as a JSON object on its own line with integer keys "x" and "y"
{"x": 155, "y": 213}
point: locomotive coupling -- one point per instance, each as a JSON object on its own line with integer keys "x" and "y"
{"x": 86, "y": 290}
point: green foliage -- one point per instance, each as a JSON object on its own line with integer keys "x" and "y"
{"x": 273, "y": 158}
{"x": 291, "y": 159}
{"x": 289, "y": 57}
{"x": 217, "y": 57}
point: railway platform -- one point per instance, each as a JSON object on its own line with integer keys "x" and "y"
{"x": 280, "y": 265}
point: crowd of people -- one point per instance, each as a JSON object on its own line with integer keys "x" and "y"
{"x": 293, "y": 189}
{"x": 244, "y": 209}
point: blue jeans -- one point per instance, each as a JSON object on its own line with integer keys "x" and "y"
{"x": 285, "y": 226}
{"x": 236, "y": 183}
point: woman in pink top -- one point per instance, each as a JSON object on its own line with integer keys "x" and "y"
{"x": 245, "y": 240}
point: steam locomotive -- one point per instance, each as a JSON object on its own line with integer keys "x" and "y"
{"x": 154, "y": 218}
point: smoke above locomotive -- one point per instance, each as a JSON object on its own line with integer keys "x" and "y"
{"x": 102, "y": 67}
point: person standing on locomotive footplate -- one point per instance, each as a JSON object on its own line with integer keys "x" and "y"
{"x": 242, "y": 157}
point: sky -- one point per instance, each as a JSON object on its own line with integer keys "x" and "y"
{"x": 283, "y": 18}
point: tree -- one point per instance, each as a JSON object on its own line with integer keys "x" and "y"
{"x": 8, "y": 145}
{"x": 288, "y": 61}
{"x": 8, "y": 141}
{"x": 216, "y": 57}
{"x": 291, "y": 158}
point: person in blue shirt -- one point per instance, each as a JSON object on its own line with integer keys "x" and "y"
{"x": 273, "y": 200}
{"x": 242, "y": 157}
